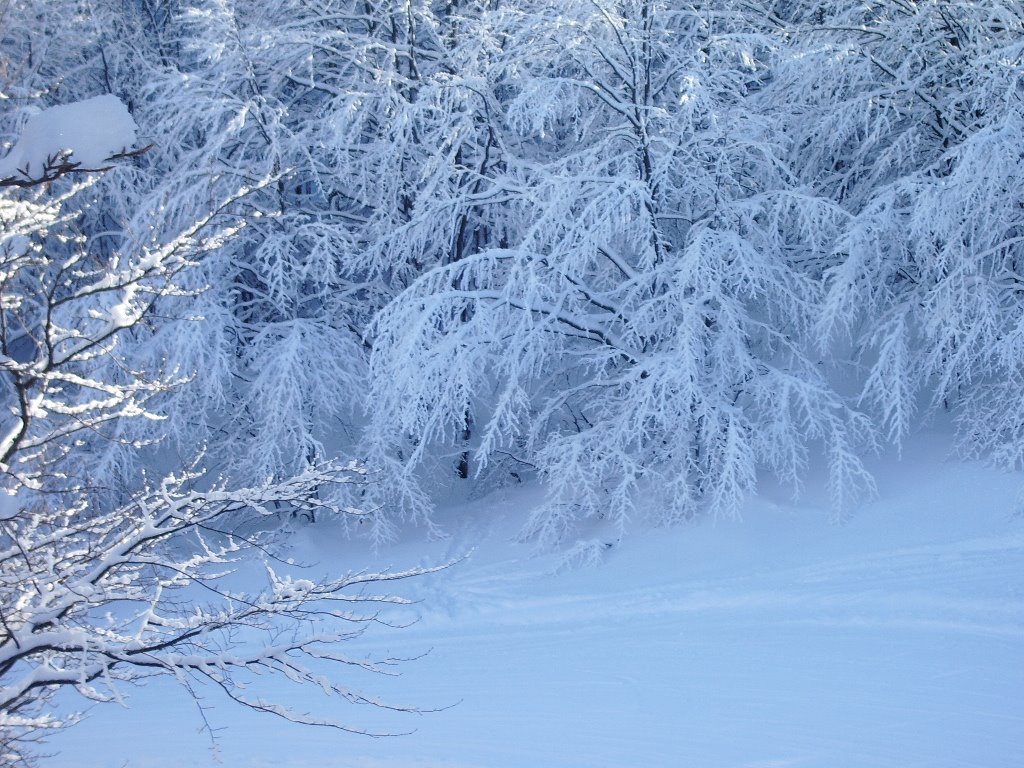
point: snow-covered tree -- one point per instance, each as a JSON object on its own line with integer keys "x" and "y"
{"x": 909, "y": 116}
{"x": 277, "y": 354}
{"x": 104, "y": 585}
{"x": 369, "y": 119}
{"x": 270, "y": 330}
{"x": 642, "y": 318}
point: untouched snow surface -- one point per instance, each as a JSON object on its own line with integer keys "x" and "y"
{"x": 894, "y": 640}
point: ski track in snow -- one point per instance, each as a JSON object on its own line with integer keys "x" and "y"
{"x": 973, "y": 584}
{"x": 882, "y": 583}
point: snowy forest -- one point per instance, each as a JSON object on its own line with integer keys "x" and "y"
{"x": 339, "y": 258}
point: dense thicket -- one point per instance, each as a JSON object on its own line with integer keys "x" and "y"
{"x": 618, "y": 243}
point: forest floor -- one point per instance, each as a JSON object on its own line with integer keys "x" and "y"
{"x": 895, "y": 639}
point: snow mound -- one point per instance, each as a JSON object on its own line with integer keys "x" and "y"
{"x": 90, "y": 132}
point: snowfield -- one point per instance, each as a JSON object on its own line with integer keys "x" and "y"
{"x": 893, "y": 640}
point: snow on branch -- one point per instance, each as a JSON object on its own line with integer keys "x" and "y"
{"x": 105, "y": 584}
{"x": 95, "y": 601}
{"x": 84, "y": 136}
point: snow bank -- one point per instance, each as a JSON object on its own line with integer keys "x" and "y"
{"x": 91, "y": 131}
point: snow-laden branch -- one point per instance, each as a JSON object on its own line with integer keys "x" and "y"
{"x": 92, "y": 601}
{"x": 107, "y": 579}
{"x": 82, "y": 137}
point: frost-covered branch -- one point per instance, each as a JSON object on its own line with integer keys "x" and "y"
{"x": 97, "y": 601}
{"x": 108, "y": 579}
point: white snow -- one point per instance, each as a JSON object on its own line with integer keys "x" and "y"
{"x": 776, "y": 641}
{"x": 91, "y": 130}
